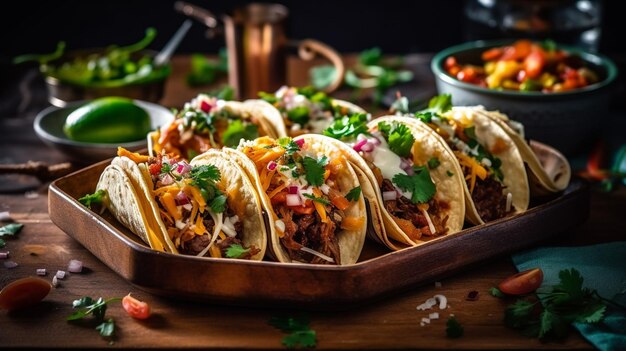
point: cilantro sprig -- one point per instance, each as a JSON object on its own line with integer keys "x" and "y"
{"x": 564, "y": 303}
{"x": 289, "y": 145}
{"x": 420, "y": 185}
{"x": 238, "y": 130}
{"x": 454, "y": 329}
{"x": 348, "y": 127}
{"x": 204, "y": 177}
{"x": 314, "y": 170}
{"x": 300, "y": 333}
{"x": 97, "y": 308}
{"x": 436, "y": 107}
{"x": 398, "y": 136}
{"x": 321, "y": 200}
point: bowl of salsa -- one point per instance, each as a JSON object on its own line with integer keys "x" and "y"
{"x": 555, "y": 91}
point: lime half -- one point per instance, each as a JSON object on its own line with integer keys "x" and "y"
{"x": 108, "y": 120}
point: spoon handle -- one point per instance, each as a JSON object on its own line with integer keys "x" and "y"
{"x": 164, "y": 56}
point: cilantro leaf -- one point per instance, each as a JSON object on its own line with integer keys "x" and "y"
{"x": 11, "y": 229}
{"x": 399, "y": 137}
{"x": 322, "y": 76}
{"x": 547, "y": 319}
{"x": 269, "y": 97}
{"x": 237, "y": 130}
{"x": 218, "y": 205}
{"x": 314, "y": 170}
{"x": 204, "y": 175}
{"x": 166, "y": 168}
{"x": 450, "y": 174}
{"x": 400, "y": 106}
{"x": 371, "y": 56}
{"x": 454, "y": 329}
{"x": 419, "y": 184}
{"x": 317, "y": 199}
{"x": 95, "y": 198}
{"x": 106, "y": 328}
{"x": 439, "y": 104}
{"x": 299, "y": 114}
{"x": 236, "y": 251}
{"x": 348, "y": 127}
{"x": 2, "y": 243}
{"x": 571, "y": 282}
{"x": 354, "y": 194}
{"x": 88, "y": 306}
{"x": 300, "y": 334}
{"x": 289, "y": 145}
{"x": 592, "y": 313}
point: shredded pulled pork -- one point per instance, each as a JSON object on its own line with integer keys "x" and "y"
{"x": 489, "y": 199}
{"x": 309, "y": 231}
{"x": 407, "y": 213}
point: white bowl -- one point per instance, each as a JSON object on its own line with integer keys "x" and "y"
{"x": 49, "y": 128}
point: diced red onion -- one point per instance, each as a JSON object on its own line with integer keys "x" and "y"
{"x": 4, "y": 254}
{"x": 272, "y": 165}
{"x": 293, "y": 200}
{"x": 10, "y": 264}
{"x": 361, "y": 137}
{"x": 374, "y": 141}
{"x": 205, "y": 106}
{"x": 293, "y": 189}
{"x": 183, "y": 168}
{"x": 181, "y": 198}
{"x": 409, "y": 171}
{"x": 41, "y": 271}
{"x": 367, "y": 147}
{"x": 75, "y": 266}
{"x": 389, "y": 195}
{"x": 299, "y": 142}
{"x": 167, "y": 179}
{"x": 357, "y": 147}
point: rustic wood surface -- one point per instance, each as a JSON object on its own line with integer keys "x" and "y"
{"x": 391, "y": 323}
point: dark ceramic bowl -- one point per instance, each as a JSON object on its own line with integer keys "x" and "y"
{"x": 566, "y": 120}
{"x": 62, "y": 92}
{"x": 49, "y": 128}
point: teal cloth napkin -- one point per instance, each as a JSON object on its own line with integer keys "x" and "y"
{"x": 603, "y": 268}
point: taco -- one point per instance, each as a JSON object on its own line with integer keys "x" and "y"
{"x": 495, "y": 177}
{"x": 412, "y": 181}
{"x": 312, "y": 198}
{"x": 306, "y": 110}
{"x": 548, "y": 174}
{"x": 207, "y": 122}
{"x": 206, "y": 208}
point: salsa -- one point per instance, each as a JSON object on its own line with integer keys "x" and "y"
{"x": 525, "y": 66}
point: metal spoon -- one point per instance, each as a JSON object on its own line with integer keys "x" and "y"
{"x": 164, "y": 55}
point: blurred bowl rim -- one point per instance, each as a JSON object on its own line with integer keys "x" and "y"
{"x": 46, "y": 135}
{"x": 595, "y": 58}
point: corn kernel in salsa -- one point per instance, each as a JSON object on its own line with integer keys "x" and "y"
{"x": 525, "y": 66}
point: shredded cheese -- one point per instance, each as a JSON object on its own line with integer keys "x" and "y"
{"x": 217, "y": 219}
{"x": 318, "y": 254}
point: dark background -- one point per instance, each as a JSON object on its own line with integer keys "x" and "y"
{"x": 348, "y": 26}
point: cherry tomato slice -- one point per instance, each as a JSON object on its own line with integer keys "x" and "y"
{"x": 24, "y": 292}
{"x": 135, "y": 308}
{"x": 522, "y": 283}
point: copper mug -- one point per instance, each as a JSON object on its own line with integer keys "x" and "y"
{"x": 258, "y": 46}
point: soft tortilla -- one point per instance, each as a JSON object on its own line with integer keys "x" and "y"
{"x": 350, "y": 242}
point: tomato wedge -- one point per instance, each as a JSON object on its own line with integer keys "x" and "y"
{"x": 24, "y": 292}
{"x": 135, "y": 308}
{"x": 522, "y": 283}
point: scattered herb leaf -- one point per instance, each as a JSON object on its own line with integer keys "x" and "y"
{"x": 433, "y": 163}
{"x": 218, "y": 205}
{"x": 11, "y": 229}
{"x": 106, "y": 328}
{"x": 454, "y": 329}
{"x": 88, "y": 306}
{"x": 348, "y": 127}
{"x": 300, "y": 333}
{"x": 289, "y": 145}
{"x": 450, "y": 174}
{"x": 495, "y": 292}
{"x": 2, "y": 243}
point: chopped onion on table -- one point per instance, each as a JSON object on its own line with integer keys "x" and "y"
{"x": 60, "y": 274}
{"x": 5, "y": 216}
{"x": 75, "y": 266}
{"x": 4, "y": 254}
{"x": 55, "y": 281}
{"x": 41, "y": 271}
{"x": 10, "y": 264}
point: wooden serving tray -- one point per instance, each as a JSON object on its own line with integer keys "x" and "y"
{"x": 378, "y": 272}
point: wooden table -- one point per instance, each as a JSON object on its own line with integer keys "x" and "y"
{"x": 392, "y": 323}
